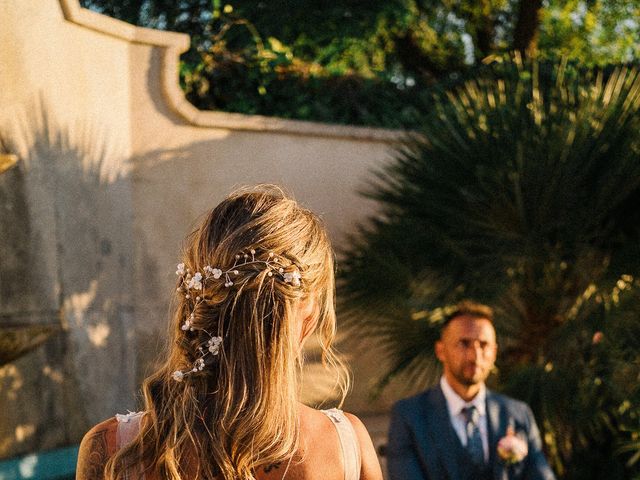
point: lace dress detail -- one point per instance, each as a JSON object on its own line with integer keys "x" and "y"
{"x": 348, "y": 443}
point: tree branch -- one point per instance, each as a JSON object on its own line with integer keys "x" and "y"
{"x": 525, "y": 35}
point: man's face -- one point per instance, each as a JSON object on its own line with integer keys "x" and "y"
{"x": 467, "y": 350}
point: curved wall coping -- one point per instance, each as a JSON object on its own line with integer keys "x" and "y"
{"x": 176, "y": 43}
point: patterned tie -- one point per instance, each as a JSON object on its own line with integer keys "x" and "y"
{"x": 474, "y": 441}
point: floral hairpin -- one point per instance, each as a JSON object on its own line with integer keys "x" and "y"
{"x": 194, "y": 285}
{"x": 213, "y": 348}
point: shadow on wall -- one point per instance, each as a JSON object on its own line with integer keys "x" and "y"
{"x": 16, "y": 340}
{"x": 66, "y": 264}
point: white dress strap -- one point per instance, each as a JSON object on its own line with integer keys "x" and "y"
{"x": 348, "y": 442}
{"x": 128, "y": 428}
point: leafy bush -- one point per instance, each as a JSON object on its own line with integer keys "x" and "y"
{"x": 366, "y": 63}
{"x": 267, "y": 79}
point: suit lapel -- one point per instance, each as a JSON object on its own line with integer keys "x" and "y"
{"x": 496, "y": 425}
{"x": 443, "y": 436}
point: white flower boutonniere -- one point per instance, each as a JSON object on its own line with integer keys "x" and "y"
{"x": 511, "y": 448}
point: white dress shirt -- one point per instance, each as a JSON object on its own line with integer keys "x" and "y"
{"x": 455, "y": 404}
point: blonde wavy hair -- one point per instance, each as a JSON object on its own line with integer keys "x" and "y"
{"x": 239, "y": 413}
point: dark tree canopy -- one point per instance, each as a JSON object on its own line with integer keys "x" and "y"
{"x": 368, "y": 62}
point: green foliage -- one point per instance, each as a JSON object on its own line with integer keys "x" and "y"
{"x": 267, "y": 79}
{"x": 363, "y": 62}
{"x": 521, "y": 191}
{"x": 596, "y": 32}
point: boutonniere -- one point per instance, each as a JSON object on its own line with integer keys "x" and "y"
{"x": 511, "y": 448}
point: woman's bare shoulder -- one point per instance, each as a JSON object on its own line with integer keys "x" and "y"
{"x": 370, "y": 467}
{"x": 358, "y": 426}
{"x": 97, "y": 446}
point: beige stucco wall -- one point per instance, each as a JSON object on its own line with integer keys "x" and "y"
{"x": 67, "y": 224}
{"x": 115, "y": 168}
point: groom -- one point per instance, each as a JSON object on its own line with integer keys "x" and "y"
{"x": 452, "y": 430}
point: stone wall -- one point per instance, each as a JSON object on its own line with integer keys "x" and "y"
{"x": 115, "y": 167}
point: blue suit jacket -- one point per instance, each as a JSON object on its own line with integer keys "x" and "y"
{"x": 424, "y": 446}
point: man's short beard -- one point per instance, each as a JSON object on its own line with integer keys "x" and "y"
{"x": 469, "y": 382}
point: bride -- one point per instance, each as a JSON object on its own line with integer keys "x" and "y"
{"x": 255, "y": 282}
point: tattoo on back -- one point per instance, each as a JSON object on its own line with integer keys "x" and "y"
{"x": 93, "y": 468}
{"x": 271, "y": 467}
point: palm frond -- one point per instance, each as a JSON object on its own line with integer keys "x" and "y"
{"x": 522, "y": 191}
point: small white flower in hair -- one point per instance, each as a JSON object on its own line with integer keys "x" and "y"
{"x": 195, "y": 282}
{"x": 214, "y": 345}
{"x": 292, "y": 277}
{"x": 214, "y": 272}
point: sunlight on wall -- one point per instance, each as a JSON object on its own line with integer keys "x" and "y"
{"x": 77, "y": 304}
{"x": 23, "y": 432}
{"x": 54, "y": 375}
{"x": 98, "y": 334}
{"x": 9, "y": 373}
{"x": 103, "y": 157}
